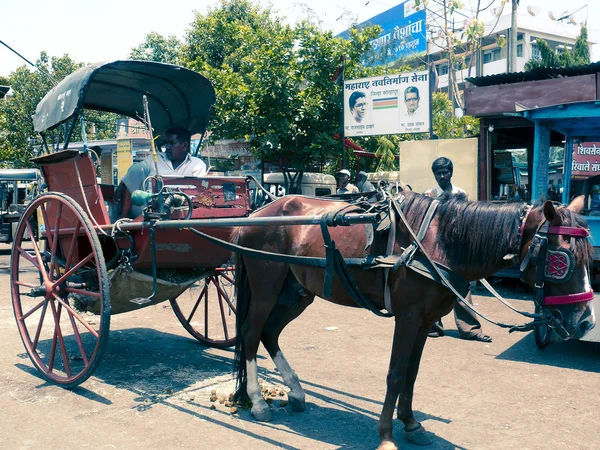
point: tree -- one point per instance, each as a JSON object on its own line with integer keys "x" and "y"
{"x": 273, "y": 81}
{"x": 578, "y": 56}
{"x": 158, "y": 48}
{"x": 17, "y": 136}
{"x": 458, "y": 42}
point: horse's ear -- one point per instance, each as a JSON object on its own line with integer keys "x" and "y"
{"x": 577, "y": 204}
{"x": 551, "y": 214}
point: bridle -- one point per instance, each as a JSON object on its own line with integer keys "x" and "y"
{"x": 556, "y": 265}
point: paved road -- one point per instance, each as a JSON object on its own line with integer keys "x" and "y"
{"x": 152, "y": 389}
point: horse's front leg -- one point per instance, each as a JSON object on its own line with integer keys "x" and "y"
{"x": 405, "y": 337}
{"x": 413, "y": 430}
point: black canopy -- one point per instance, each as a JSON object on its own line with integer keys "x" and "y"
{"x": 176, "y": 96}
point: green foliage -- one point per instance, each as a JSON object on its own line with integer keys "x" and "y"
{"x": 158, "y": 48}
{"x": 17, "y": 136}
{"x": 446, "y": 125}
{"x": 578, "y": 56}
{"x": 386, "y": 152}
{"x": 273, "y": 81}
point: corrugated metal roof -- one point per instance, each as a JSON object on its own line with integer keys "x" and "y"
{"x": 534, "y": 75}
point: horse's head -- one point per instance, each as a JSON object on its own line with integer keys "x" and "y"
{"x": 555, "y": 258}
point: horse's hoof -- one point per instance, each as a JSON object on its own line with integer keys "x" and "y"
{"x": 387, "y": 445}
{"x": 262, "y": 413}
{"x": 418, "y": 436}
{"x": 298, "y": 404}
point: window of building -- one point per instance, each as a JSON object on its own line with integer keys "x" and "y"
{"x": 487, "y": 57}
{"x": 444, "y": 69}
{"x": 496, "y": 54}
{"x": 535, "y": 52}
{"x": 520, "y": 50}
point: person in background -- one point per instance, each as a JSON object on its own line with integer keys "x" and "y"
{"x": 176, "y": 161}
{"x": 467, "y": 323}
{"x": 362, "y": 184}
{"x": 344, "y": 185}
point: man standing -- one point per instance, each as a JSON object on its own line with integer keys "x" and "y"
{"x": 467, "y": 323}
{"x": 344, "y": 185}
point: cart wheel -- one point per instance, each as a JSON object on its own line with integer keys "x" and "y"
{"x": 541, "y": 333}
{"x": 55, "y": 279}
{"x": 207, "y": 309}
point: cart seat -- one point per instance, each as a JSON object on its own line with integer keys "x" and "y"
{"x": 72, "y": 172}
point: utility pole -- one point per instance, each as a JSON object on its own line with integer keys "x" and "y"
{"x": 512, "y": 42}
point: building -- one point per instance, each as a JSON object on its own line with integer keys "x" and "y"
{"x": 560, "y": 32}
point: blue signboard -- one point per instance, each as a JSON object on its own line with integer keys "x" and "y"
{"x": 403, "y": 35}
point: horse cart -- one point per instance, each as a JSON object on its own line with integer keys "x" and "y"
{"x": 81, "y": 267}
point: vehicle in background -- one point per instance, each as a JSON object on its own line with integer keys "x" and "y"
{"x": 312, "y": 184}
{"x": 389, "y": 180}
{"x": 17, "y": 188}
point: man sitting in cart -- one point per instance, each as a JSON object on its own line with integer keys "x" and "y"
{"x": 175, "y": 161}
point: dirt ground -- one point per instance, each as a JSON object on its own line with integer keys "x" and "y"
{"x": 153, "y": 388}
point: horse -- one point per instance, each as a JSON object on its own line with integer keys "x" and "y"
{"x": 473, "y": 239}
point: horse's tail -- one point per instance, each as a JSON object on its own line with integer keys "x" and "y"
{"x": 243, "y": 306}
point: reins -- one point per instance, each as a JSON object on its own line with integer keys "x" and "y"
{"x": 538, "y": 318}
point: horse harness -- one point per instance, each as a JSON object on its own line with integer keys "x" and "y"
{"x": 554, "y": 264}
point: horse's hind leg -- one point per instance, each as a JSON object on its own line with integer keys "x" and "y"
{"x": 296, "y": 301}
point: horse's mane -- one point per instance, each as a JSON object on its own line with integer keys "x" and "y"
{"x": 469, "y": 233}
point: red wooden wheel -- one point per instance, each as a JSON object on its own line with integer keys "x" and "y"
{"x": 207, "y": 309}
{"x": 56, "y": 277}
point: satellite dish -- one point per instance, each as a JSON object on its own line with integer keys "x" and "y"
{"x": 553, "y": 15}
{"x": 533, "y": 10}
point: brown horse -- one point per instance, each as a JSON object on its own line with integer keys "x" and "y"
{"x": 474, "y": 239}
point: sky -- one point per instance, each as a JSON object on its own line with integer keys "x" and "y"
{"x": 92, "y": 31}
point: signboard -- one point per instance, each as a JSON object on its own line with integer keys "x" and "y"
{"x": 404, "y": 33}
{"x": 389, "y": 104}
{"x": 586, "y": 160}
{"x": 124, "y": 158}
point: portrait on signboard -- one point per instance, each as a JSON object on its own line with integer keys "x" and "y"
{"x": 358, "y": 106}
{"x": 411, "y": 100}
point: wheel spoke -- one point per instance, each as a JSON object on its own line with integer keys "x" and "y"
{"x": 40, "y": 324}
{"x": 37, "y": 252}
{"x": 71, "y": 252}
{"x": 222, "y": 291}
{"x": 205, "y": 292}
{"x": 31, "y": 259}
{"x": 56, "y": 311}
{"x": 24, "y": 284}
{"x": 32, "y": 310}
{"x": 54, "y": 244}
{"x": 78, "y": 339}
{"x": 189, "y": 319}
{"x": 76, "y": 315}
{"x": 75, "y": 268}
{"x": 222, "y": 310}
{"x": 84, "y": 292}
